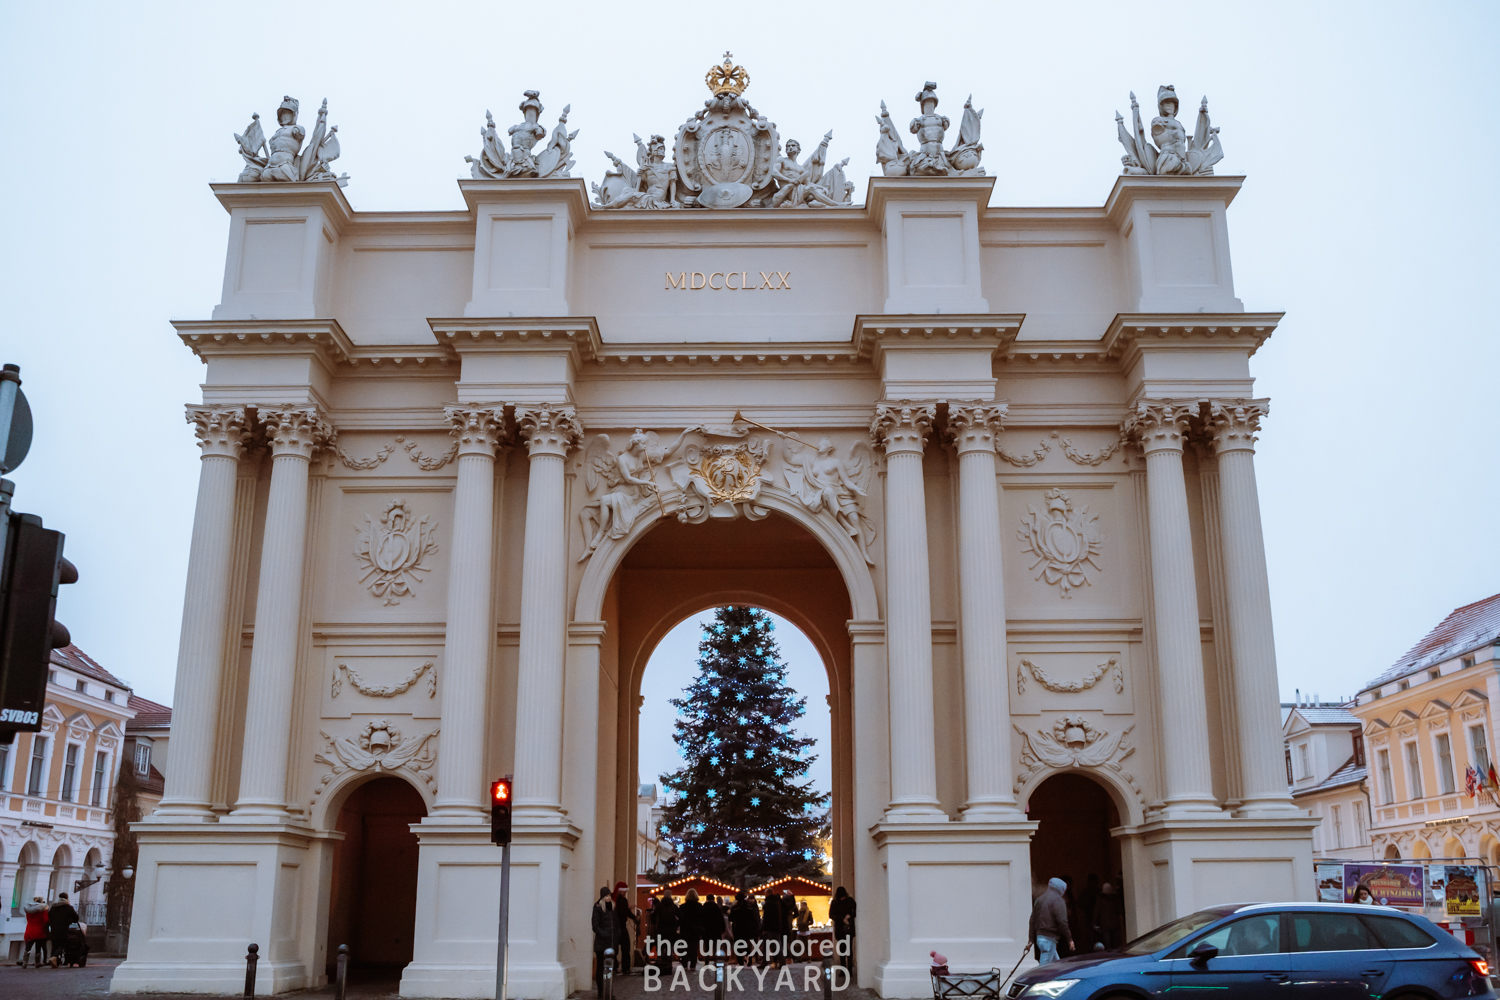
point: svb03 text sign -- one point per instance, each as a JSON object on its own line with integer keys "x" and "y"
{"x": 729, "y": 281}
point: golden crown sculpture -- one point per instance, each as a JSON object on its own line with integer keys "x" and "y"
{"x": 728, "y": 78}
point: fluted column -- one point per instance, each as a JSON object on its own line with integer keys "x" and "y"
{"x": 981, "y": 580}
{"x": 469, "y": 638}
{"x": 293, "y": 433}
{"x": 205, "y": 612}
{"x": 1159, "y": 426}
{"x": 902, "y": 429}
{"x": 1235, "y": 423}
{"x": 550, "y": 432}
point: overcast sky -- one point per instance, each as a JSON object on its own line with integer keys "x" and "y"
{"x": 1367, "y": 131}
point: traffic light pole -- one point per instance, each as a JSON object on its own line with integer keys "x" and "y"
{"x": 501, "y": 968}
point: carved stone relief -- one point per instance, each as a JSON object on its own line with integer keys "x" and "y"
{"x": 1065, "y": 542}
{"x": 824, "y": 482}
{"x": 621, "y": 484}
{"x": 282, "y": 158}
{"x": 428, "y": 463}
{"x": 378, "y": 746}
{"x": 1025, "y": 461}
{"x": 722, "y": 480}
{"x": 393, "y": 550}
{"x": 1046, "y": 680}
{"x": 931, "y": 128}
{"x": 555, "y": 159}
{"x": 1073, "y": 742}
{"x": 364, "y": 687}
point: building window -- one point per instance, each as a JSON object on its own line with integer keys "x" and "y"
{"x": 36, "y": 781}
{"x": 96, "y": 793}
{"x": 52, "y": 677}
{"x": 1404, "y": 685}
{"x": 109, "y": 695}
{"x": 1289, "y": 778}
{"x": 1387, "y": 788}
{"x": 4, "y": 766}
{"x": 1338, "y": 829}
{"x": 1413, "y": 772}
{"x": 1465, "y": 662}
{"x": 1359, "y": 824}
{"x": 1376, "y": 695}
{"x": 142, "y": 759}
{"x": 1481, "y": 749}
{"x": 1302, "y": 761}
{"x": 1434, "y": 674}
{"x": 82, "y": 686}
{"x": 70, "y": 772}
{"x": 1445, "y": 764}
{"x": 1359, "y": 749}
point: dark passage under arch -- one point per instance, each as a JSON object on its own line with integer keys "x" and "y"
{"x": 373, "y": 902}
{"x": 1072, "y": 842}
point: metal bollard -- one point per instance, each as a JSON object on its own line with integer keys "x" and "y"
{"x": 609, "y": 975}
{"x": 827, "y": 964}
{"x": 251, "y": 958}
{"x": 719, "y": 980}
{"x": 341, "y": 977}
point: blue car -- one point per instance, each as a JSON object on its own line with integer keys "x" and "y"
{"x": 1293, "y": 951}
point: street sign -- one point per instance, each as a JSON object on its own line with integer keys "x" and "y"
{"x": 15, "y": 419}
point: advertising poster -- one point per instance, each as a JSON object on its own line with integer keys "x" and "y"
{"x": 1386, "y": 884}
{"x": 1330, "y": 879}
{"x": 1461, "y": 891}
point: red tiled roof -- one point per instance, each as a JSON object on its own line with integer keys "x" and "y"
{"x": 148, "y": 714}
{"x": 80, "y": 662}
{"x": 1465, "y": 628}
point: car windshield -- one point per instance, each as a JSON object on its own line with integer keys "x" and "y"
{"x": 1167, "y": 935}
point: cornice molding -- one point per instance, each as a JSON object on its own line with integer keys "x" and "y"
{"x": 326, "y": 195}
{"x": 576, "y": 335}
{"x": 881, "y": 190}
{"x": 878, "y": 332}
{"x": 322, "y": 338}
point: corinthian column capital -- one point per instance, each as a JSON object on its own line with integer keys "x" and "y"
{"x": 295, "y": 430}
{"x": 1159, "y": 424}
{"x": 902, "y": 426}
{"x": 549, "y": 429}
{"x": 973, "y": 428}
{"x": 477, "y": 428}
{"x": 1236, "y": 422}
{"x": 220, "y": 430}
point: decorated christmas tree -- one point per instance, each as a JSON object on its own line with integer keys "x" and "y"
{"x": 740, "y": 812}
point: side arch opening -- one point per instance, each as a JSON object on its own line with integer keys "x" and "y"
{"x": 1073, "y": 842}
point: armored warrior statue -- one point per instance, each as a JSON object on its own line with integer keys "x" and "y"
{"x": 652, "y": 185}
{"x": 1174, "y": 152}
{"x": 931, "y": 128}
{"x": 556, "y": 159}
{"x": 524, "y": 136}
{"x": 286, "y": 160}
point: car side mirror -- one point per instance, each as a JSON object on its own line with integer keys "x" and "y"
{"x": 1201, "y": 954}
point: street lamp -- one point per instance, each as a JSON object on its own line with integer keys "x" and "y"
{"x": 127, "y": 873}
{"x": 84, "y": 883}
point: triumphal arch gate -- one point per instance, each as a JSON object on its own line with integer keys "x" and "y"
{"x": 461, "y": 470}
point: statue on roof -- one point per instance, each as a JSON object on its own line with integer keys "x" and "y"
{"x": 931, "y": 128}
{"x": 555, "y": 159}
{"x": 727, "y": 155}
{"x": 282, "y": 157}
{"x": 1174, "y": 151}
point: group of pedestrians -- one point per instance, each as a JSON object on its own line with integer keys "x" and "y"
{"x": 49, "y": 928}
{"x": 1062, "y": 924}
{"x": 707, "y": 928}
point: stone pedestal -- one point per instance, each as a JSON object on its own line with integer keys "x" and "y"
{"x": 205, "y": 892}
{"x": 963, "y": 889}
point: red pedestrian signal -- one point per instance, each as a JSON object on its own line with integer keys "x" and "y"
{"x": 500, "y": 811}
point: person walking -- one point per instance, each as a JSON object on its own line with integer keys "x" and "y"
{"x": 60, "y": 916}
{"x": 713, "y": 924}
{"x": 1049, "y": 922}
{"x": 841, "y": 914}
{"x": 744, "y": 920}
{"x": 35, "y": 939}
{"x": 770, "y": 927}
{"x": 804, "y": 918}
{"x": 666, "y": 927}
{"x": 1109, "y": 916}
{"x": 602, "y": 922}
{"x": 690, "y": 927}
{"x": 624, "y": 941}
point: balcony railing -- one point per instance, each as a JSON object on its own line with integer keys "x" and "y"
{"x": 34, "y": 809}
{"x": 1443, "y": 806}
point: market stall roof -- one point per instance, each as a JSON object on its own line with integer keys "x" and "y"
{"x": 706, "y": 887}
{"x": 796, "y": 883}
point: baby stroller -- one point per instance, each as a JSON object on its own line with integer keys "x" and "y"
{"x": 76, "y": 947}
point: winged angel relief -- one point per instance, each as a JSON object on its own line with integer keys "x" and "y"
{"x": 823, "y": 481}
{"x": 628, "y": 477}
{"x": 1064, "y": 542}
{"x": 380, "y": 746}
{"x": 392, "y": 551}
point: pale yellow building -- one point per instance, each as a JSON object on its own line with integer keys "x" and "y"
{"x": 1426, "y": 721}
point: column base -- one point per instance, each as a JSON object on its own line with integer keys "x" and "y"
{"x": 993, "y": 812}
{"x": 1184, "y": 865}
{"x": 964, "y": 888}
{"x": 1279, "y": 808}
{"x": 205, "y": 891}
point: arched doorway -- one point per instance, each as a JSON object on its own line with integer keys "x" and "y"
{"x": 1419, "y": 849}
{"x": 1072, "y": 842}
{"x": 28, "y": 875}
{"x": 675, "y": 570}
{"x": 373, "y": 900}
{"x": 59, "y": 880}
{"x": 1392, "y": 852}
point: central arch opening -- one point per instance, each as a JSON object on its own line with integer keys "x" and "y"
{"x": 677, "y": 571}
{"x": 1072, "y": 842}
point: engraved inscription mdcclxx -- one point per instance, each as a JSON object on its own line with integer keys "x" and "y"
{"x": 734, "y": 281}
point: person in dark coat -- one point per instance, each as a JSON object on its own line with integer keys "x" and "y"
{"x": 713, "y": 924}
{"x": 666, "y": 924}
{"x": 770, "y": 925}
{"x": 690, "y": 927}
{"x": 59, "y": 918}
{"x": 1109, "y": 916}
{"x": 624, "y": 940}
{"x": 841, "y": 914}
{"x": 1048, "y": 929}
{"x": 744, "y": 919}
{"x": 603, "y": 924}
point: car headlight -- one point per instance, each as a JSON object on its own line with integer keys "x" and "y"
{"x": 1052, "y": 988}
